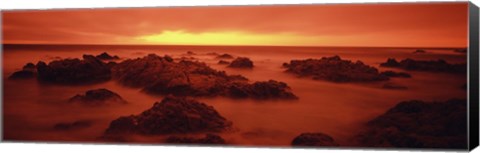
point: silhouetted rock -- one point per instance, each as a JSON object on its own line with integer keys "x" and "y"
{"x": 74, "y": 71}
{"x": 394, "y": 86}
{"x": 225, "y": 56}
{"x": 241, "y": 62}
{"x": 172, "y": 115}
{"x": 261, "y": 90}
{"x": 223, "y": 62}
{"x": 106, "y": 56}
{"x": 334, "y": 69}
{"x": 73, "y": 125}
{"x": 431, "y": 66}
{"x": 417, "y": 124}
{"x": 396, "y": 74}
{"x": 30, "y": 66}
{"x": 156, "y": 75}
{"x": 314, "y": 139}
{"x": 208, "y": 139}
{"x": 419, "y": 51}
{"x": 29, "y": 71}
{"x": 98, "y": 97}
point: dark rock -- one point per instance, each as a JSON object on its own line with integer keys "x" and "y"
{"x": 30, "y": 67}
{"x": 225, "y": 56}
{"x": 463, "y": 50}
{"x": 241, "y": 62}
{"x": 171, "y": 116}
{"x": 430, "y": 66}
{"x": 29, "y": 71}
{"x": 418, "y": 124}
{"x": 419, "y": 51}
{"x": 394, "y": 86}
{"x": 261, "y": 90}
{"x": 156, "y": 75}
{"x": 208, "y": 139}
{"x": 98, "y": 97}
{"x": 314, "y": 139}
{"x": 334, "y": 69}
{"x": 396, "y": 74}
{"x": 74, "y": 71}
{"x": 73, "y": 125}
{"x": 223, "y": 62}
{"x": 106, "y": 56}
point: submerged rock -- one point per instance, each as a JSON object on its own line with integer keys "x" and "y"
{"x": 29, "y": 71}
{"x": 97, "y": 97}
{"x": 394, "y": 86}
{"x": 157, "y": 75}
{"x": 225, "y": 56}
{"x": 396, "y": 74}
{"x": 73, "y": 125}
{"x": 172, "y": 115}
{"x": 223, "y": 62}
{"x": 74, "y": 71}
{"x": 208, "y": 139}
{"x": 431, "y": 66}
{"x": 106, "y": 56}
{"x": 419, "y": 51}
{"x": 334, "y": 69}
{"x": 418, "y": 124}
{"x": 314, "y": 139}
{"x": 241, "y": 62}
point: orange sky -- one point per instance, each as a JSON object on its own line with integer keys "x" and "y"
{"x": 399, "y": 25}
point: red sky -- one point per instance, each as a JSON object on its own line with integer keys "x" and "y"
{"x": 399, "y": 25}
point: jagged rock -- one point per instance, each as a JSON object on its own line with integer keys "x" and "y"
{"x": 225, "y": 56}
{"x": 208, "y": 139}
{"x": 73, "y": 125}
{"x": 172, "y": 115}
{"x": 431, "y": 66}
{"x": 314, "y": 139}
{"x": 156, "y": 75}
{"x": 396, "y": 74}
{"x": 97, "y": 97}
{"x": 29, "y": 71}
{"x": 223, "y": 62}
{"x": 419, "y": 51}
{"x": 261, "y": 90}
{"x": 106, "y": 56}
{"x": 334, "y": 69}
{"x": 74, "y": 71}
{"x": 241, "y": 62}
{"x": 394, "y": 86}
{"x": 418, "y": 124}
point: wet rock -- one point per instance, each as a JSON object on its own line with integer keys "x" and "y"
{"x": 262, "y": 90}
{"x": 423, "y": 65}
{"x": 172, "y": 115}
{"x": 314, "y": 139}
{"x": 106, "y": 56}
{"x": 394, "y": 86}
{"x": 419, "y": 51}
{"x": 396, "y": 74}
{"x": 208, "y": 139}
{"x": 73, "y": 125}
{"x": 225, "y": 56}
{"x": 98, "y": 97}
{"x": 334, "y": 69}
{"x": 156, "y": 75}
{"x": 29, "y": 71}
{"x": 418, "y": 124}
{"x": 223, "y": 62}
{"x": 241, "y": 62}
{"x": 74, "y": 71}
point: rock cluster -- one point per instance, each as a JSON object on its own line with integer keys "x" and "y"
{"x": 241, "y": 62}
{"x": 172, "y": 115}
{"x": 314, "y": 139}
{"x": 97, "y": 97}
{"x": 334, "y": 69}
{"x": 28, "y": 71}
{"x": 208, "y": 139}
{"x": 431, "y": 66}
{"x": 106, "y": 56}
{"x": 158, "y": 75}
{"x": 74, "y": 71}
{"x": 418, "y": 124}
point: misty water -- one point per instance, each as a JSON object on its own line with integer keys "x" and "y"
{"x": 338, "y": 109}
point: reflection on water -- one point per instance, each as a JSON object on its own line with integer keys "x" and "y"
{"x": 337, "y": 109}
